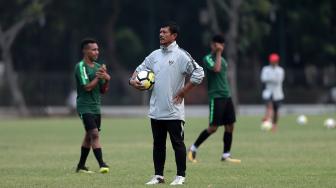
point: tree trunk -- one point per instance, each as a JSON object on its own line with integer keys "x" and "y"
{"x": 232, "y": 49}
{"x": 32, "y": 12}
{"x": 120, "y": 74}
{"x": 231, "y": 36}
{"x": 6, "y": 40}
{"x": 212, "y": 14}
{"x": 11, "y": 79}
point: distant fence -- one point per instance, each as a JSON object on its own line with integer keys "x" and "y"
{"x": 42, "y": 89}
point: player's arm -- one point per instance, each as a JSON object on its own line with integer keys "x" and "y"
{"x": 91, "y": 85}
{"x": 83, "y": 78}
{"x": 280, "y": 76}
{"x": 269, "y": 76}
{"x": 103, "y": 75}
{"x": 263, "y": 77}
{"x": 219, "y": 50}
{"x": 183, "y": 92}
{"x": 105, "y": 87}
{"x": 266, "y": 75}
{"x": 147, "y": 64}
{"x": 196, "y": 76}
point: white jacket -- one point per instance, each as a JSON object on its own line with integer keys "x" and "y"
{"x": 171, "y": 66}
{"x": 272, "y": 77}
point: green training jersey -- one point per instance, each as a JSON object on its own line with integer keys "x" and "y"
{"x": 87, "y": 101}
{"x": 218, "y": 85}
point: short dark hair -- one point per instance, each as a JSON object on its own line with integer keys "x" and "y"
{"x": 87, "y": 41}
{"x": 218, "y": 38}
{"x": 173, "y": 27}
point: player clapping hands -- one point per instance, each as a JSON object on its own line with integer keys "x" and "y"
{"x": 102, "y": 73}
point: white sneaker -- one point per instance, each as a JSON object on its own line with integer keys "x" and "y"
{"x": 179, "y": 180}
{"x": 156, "y": 179}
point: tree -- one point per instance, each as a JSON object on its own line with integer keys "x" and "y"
{"x": 30, "y": 13}
{"x": 231, "y": 9}
{"x": 110, "y": 33}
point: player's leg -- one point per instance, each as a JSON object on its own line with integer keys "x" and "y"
{"x": 206, "y": 132}
{"x": 93, "y": 124}
{"x": 204, "y": 135}
{"x": 176, "y": 133}
{"x": 269, "y": 111}
{"x": 85, "y": 150}
{"x": 229, "y": 118}
{"x": 227, "y": 140}
{"x": 159, "y": 132}
{"x": 275, "y": 110}
{"x": 94, "y": 137}
{"x": 200, "y": 139}
{"x": 276, "y": 105}
{"x": 98, "y": 152}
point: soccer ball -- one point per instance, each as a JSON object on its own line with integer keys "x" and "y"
{"x": 147, "y": 79}
{"x": 301, "y": 120}
{"x": 330, "y": 123}
{"x": 266, "y": 125}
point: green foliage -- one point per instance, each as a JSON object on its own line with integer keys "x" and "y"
{"x": 307, "y": 26}
{"x": 35, "y": 9}
{"x": 292, "y": 28}
{"x": 14, "y": 11}
{"x": 44, "y": 153}
{"x": 130, "y": 48}
{"x": 310, "y": 27}
{"x": 254, "y": 25}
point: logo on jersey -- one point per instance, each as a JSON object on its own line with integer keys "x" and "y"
{"x": 171, "y": 62}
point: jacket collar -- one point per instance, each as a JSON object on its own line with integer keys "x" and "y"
{"x": 169, "y": 48}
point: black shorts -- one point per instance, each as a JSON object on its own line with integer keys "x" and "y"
{"x": 91, "y": 121}
{"x": 221, "y": 112}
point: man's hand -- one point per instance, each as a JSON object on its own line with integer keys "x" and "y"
{"x": 219, "y": 47}
{"x": 136, "y": 84}
{"x": 182, "y": 93}
{"x": 179, "y": 97}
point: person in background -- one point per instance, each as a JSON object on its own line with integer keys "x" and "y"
{"x": 272, "y": 76}
{"x": 221, "y": 109}
{"x": 91, "y": 80}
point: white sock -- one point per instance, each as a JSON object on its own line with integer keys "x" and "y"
{"x": 193, "y": 148}
{"x": 226, "y": 155}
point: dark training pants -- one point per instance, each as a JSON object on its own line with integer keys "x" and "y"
{"x": 175, "y": 128}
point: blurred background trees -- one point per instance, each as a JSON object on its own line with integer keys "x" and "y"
{"x": 45, "y": 51}
{"x": 10, "y": 27}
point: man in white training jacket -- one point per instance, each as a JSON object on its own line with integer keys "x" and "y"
{"x": 171, "y": 65}
{"x": 272, "y": 76}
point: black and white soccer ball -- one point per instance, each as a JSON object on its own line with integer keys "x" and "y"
{"x": 147, "y": 79}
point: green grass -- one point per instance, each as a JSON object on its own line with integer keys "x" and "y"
{"x": 44, "y": 153}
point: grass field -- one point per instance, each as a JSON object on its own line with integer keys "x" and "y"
{"x": 44, "y": 153}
